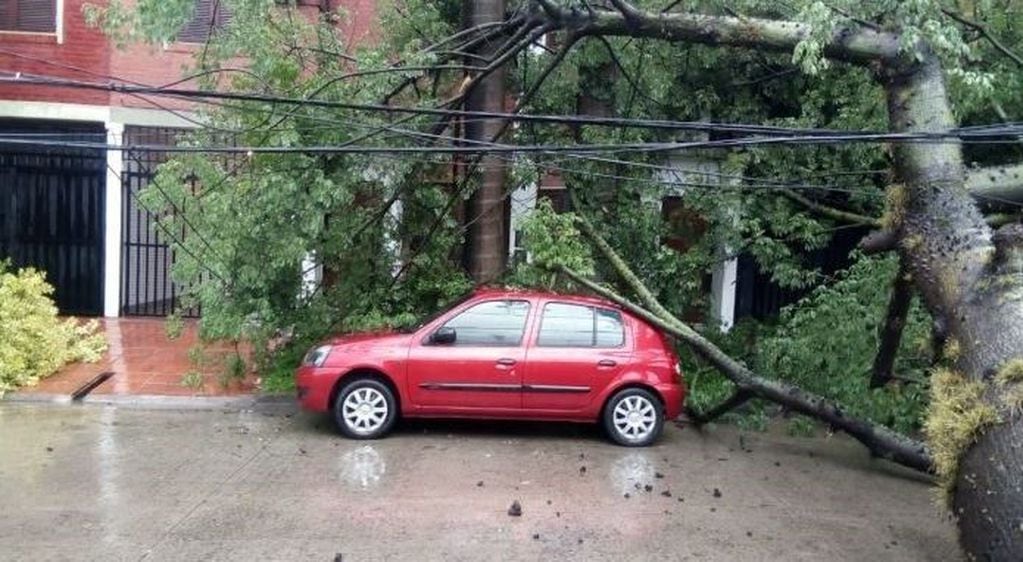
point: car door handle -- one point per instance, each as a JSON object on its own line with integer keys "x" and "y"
{"x": 506, "y": 362}
{"x": 606, "y": 363}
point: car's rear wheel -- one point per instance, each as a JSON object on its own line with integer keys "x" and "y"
{"x": 634, "y": 417}
{"x": 365, "y": 409}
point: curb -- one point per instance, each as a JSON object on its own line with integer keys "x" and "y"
{"x": 36, "y": 398}
{"x": 263, "y": 403}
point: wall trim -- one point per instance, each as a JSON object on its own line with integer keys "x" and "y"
{"x": 60, "y": 111}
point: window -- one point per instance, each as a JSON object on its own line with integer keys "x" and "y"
{"x": 610, "y": 330}
{"x": 207, "y": 17}
{"x": 572, "y": 325}
{"x": 36, "y": 16}
{"x": 492, "y": 323}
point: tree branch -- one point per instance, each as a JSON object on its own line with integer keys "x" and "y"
{"x": 880, "y": 440}
{"x": 891, "y": 331}
{"x": 861, "y": 45}
{"x": 831, "y": 212}
{"x": 740, "y": 397}
{"x": 985, "y": 33}
{"x": 996, "y": 184}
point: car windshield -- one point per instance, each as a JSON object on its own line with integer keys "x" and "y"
{"x": 415, "y": 326}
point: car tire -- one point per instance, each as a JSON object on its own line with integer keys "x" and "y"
{"x": 365, "y": 409}
{"x": 627, "y": 417}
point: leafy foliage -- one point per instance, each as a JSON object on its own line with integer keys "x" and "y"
{"x": 35, "y": 342}
{"x": 826, "y": 344}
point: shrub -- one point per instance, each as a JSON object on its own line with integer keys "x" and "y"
{"x": 35, "y": 342}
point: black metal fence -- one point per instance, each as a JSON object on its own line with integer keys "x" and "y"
{"x": 146, "y": 285}
{"x": 759, "y": 297}
{"x": 52, "y": 207}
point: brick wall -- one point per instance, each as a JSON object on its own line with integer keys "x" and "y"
{"x": 95, "y": 57}
{"x": 83, "y": 48}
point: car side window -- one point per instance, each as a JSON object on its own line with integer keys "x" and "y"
{"x": 566, "y": 325}
{"x": 610, "y": 328}
{"x": 491, "y": 324}
{"x": 573, "y": 325}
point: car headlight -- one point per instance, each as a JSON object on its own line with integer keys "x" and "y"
{"x": 316, "y": 356}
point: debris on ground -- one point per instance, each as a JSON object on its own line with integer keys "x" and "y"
{"x": 479, "y": 484}
{"x": 536, "y": 536}
{"x": 648, "y": 488}
{"x": 582, "y": 470}
{"x": 717, "y": 493}
{"x": 666, "y": 493}
{"x": 627, "y": 496}
{"x": 516, "y": 509}
{"x": 658, "y": 475}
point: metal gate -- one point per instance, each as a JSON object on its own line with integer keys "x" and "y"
{"x": 147, "y": 259}
{"x": 761, "y": 298}
{"x": 52, "y": 209}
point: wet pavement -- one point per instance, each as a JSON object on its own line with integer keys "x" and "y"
{"x": 114, "y": 483}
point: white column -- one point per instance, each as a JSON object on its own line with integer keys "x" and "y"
{"x": 112, "y": 233}
{"x": 523, "y": 202}
{"x": 723, "y": 286}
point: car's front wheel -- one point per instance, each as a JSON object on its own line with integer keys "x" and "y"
{"x": 634, "y": 417}
{"x": 365, "y": 409}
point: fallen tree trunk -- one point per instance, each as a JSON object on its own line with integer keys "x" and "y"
{"x": 881, "y": 441}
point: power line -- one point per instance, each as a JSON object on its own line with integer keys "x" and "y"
{"x": 823, "y": 135}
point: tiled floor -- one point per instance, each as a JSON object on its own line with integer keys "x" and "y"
{"x": 144, "y": 361}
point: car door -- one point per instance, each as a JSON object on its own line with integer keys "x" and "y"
{"x": 578, "y": 350}
{"x": 481, "y": 369}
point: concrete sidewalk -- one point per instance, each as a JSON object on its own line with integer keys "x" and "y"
{"x": 107, "y": 483}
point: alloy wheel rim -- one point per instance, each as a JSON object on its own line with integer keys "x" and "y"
{"x": 634, "y": 418}
{"x": 364, "y": 410}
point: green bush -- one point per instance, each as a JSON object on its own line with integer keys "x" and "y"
{"x": 34, "y": 342}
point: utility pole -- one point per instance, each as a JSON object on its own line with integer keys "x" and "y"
{"x": 487, "y": 247}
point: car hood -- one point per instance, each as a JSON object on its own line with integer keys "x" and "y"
{"x": 369, "y": 340}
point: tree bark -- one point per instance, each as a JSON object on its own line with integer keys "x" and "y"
{"x": 891, "y": 330}
{"x": 971, "y": 284}
{"x": 488, "y": 217}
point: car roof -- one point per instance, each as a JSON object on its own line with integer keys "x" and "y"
{"x": 506, "y": 292}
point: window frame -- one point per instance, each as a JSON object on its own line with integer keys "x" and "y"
{"x": 58, "y": 26}
{"x": 593, "y": 312}
{"x": 443, "y": 321}
{"x": 220, "y": 18}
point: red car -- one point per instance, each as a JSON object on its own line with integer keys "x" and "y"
{"x": 502, "y": 354}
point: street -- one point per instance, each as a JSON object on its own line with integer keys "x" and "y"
{"x": 115, "y": 483}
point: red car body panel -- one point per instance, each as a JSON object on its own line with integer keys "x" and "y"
{"x": 526, "y": 381}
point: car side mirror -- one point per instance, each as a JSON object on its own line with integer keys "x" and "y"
{"x": 443, "y": 336}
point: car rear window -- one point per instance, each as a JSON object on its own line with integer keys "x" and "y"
{"x": 573, "y": 325}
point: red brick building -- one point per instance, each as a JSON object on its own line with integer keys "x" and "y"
{"x": 72, "y": 212}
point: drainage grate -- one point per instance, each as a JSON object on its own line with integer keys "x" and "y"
{"x": 88, "y": 387}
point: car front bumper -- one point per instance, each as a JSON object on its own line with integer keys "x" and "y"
{"x": 313, "y": 386}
